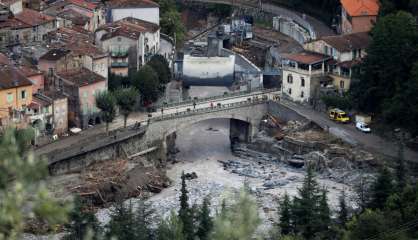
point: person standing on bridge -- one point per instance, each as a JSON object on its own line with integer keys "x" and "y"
{"x": 162, "y": 111}
{"x": 211, "y": 104}
{"x": 194, "y": 105}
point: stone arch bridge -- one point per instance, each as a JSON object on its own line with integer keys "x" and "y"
{"x": 245, "y": 112}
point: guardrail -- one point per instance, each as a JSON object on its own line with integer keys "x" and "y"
{"x": 253, "y": 92}
{"x": 215, "y": 108}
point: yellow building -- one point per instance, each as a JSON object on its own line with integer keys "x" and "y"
{"x": 15, "y": 94}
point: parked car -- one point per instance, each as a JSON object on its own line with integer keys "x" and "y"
{"x": 361, "y": 126}
{"x": 338, "y": 115}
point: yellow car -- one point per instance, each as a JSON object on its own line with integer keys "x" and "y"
{"x": 338, "y": 115}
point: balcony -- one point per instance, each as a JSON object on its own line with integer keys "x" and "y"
{"x": 119, "y": 54}
{"x": 119, "y": 64}
{"x": 304, "y": 71}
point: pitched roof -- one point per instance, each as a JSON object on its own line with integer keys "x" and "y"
{"x": 14, "y": 24}
{"x": 54, "y": 54}
{"x": 81, "y": 77}
{"x": 132, "y": 4}
{"x": 349, "y": 42}
{"x": 361, "y": 7}
{"x": 32, "y": 17}
{"x": 83, "y": 4}
{"x": 306, "y": 57}
{"x": 29, "y": 72}
{"x": 10, "y": 77}
{"x": 75, "y": 17}
{"x": 128, "y": 27}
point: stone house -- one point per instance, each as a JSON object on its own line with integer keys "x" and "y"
{"x": 145, "y": 10}
{"x": 41, "y": 24}
{"x": 303, "y": 74}
{"x": 358, "y": 15}
{"x": 81, "y": 87}
{"x": 35, "y": 76}
{"x": 132, "y": 39}
{"x": 93, "y": 10}
{"x": 347, "y": 50}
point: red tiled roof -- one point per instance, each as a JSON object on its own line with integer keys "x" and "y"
{"x": 84, "y": 4}
{"x": 28, "y": 72}
{"x": 14, "y": 24}
{"x": 361, "y": 7}
{"x": 32, "y": 17}
{"x": 128, "y": 27}
{"x": 349, "y": 42}
{"x": 10, "y": 77}
{"x": 306, "y": 57}
{"x": 81, "y": 77}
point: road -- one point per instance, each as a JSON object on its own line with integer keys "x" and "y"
{"x": 350, "y": 134}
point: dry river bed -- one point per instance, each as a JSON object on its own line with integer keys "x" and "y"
{"x": 203, "y": 148}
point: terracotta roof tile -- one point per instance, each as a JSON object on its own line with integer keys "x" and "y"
{"x": 33, "y": 18}
{"x": 128, "y": 27}
{"x": 306, "y": 57}
{"x": 349, "y": 42}
{"x": 11, "y": 77}
{"x": 361, "y": 7}
{"x": 81, "y": 77}
{"x": 84, "y": 4}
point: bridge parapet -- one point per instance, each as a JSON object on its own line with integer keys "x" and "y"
{"x": 253, "y": 92}
{"x": 215, "y": 108}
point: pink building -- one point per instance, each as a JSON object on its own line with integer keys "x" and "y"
{"x": 35, "y": 76}
{"x": 81, "y": 87}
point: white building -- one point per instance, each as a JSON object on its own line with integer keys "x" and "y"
{"x": 303, "y": 73}
{"x": 347, "y": 50}
{"x": 140, "y": 9}
{"x": 131, "y": 43}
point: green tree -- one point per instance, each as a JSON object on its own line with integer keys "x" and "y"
{"x": 239, "y": 221}
{"x": 373, "y": 225}
{"x": 185, "y": 210}
{"x": 82, "y": 222}
{"x": 305, "y": 206}
{"x": 116, "y": 81}
{"x": 343, "y": 211}
{"x": 386, "y": 81}
{"x": 170, "y": 229}
{"x": 324, "y": 216}
{"x": 161, "y": 67}
{"x": 106, "y": 102}
{"x": 285, "y": 216}
{"x": 22, "y": 196}
{"x": 122, "y": 222}
{"x": 146, "y": 81}
{"x": 204, "y": 220}
{"x": 170, "y": 21}
{"x": 382, "y": 188}
{"x": 126, "y": 99}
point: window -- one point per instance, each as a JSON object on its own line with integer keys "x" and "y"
{"x": 119, "y": 39}
{"x": 289, "y": 91}
{"x": 290, "y": 78}
{"x": 23, "y": 94}
{"x": 342, "y": 84}
{"x": 9, "y": 97}
{"x": 302, "y": 94}
{"x": 85, "y": 94}
{"x": 302, "y": 81}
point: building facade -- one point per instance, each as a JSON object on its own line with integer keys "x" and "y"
{"x": 358, "y": 15}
